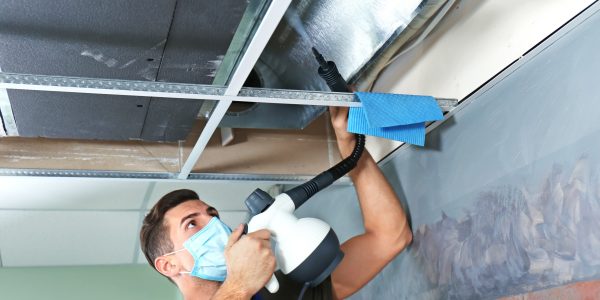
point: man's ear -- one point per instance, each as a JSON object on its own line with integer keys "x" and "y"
{"x": 167, "y": 265}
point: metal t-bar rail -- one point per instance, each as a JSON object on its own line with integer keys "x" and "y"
{"x": 182, "y": 90}
{"x": 170, "y": 90}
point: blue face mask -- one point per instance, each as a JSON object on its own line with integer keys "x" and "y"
{"x": 207, "y": 247}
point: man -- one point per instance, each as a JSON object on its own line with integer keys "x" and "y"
{"x": 183, "y": 239}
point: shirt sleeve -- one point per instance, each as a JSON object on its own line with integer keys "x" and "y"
{"x": 290, "y": 290}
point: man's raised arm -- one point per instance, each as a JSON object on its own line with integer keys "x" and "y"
{"x": 386, "y": 228}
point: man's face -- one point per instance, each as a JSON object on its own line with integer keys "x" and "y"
{"x": 183, "y": 221}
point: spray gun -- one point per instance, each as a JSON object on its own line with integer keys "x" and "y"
{"x": 307, "y": 250}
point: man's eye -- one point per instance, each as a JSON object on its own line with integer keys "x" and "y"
{"x": 191, "y": 224}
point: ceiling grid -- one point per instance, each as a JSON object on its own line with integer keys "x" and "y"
{"x": 225, "y": 95}
{"x": 8, "y": 126}
{"x": 263, "y": 34}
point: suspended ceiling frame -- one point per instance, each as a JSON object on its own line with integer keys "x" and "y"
{"x": 225, "y": 95}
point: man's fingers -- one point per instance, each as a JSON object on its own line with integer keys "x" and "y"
{"x": 337, "y": 112}
{"x": 333, "y": 111}
{"x": 262, "y": 234}
{"x": 339, "y": 118}
{"x": 343, "y": 111}
{"x": 266, "y": 244}
{"x": 235, "y": 235}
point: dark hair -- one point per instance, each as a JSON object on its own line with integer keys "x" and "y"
{"x": 154, "y": 235}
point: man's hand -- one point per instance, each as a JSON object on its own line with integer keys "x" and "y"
{"x": 250, "y": 264}
{"x": 339, "y": 122}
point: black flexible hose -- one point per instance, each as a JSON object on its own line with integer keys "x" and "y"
{"x": 303, "y": 192}
{"x": 328, "y": 71}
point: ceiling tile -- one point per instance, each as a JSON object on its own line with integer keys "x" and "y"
{"x": 70, "y": 193}
{"x": 221, "y": 195}
{"x": 38, "y": 238}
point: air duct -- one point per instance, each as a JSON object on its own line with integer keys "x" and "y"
{"x": 360, "y": 36}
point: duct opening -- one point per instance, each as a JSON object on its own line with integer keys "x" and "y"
{"x": 254, "y": 80}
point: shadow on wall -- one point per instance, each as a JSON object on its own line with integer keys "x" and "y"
{"x": 514, "y": 241}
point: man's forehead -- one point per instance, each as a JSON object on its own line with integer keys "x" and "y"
{"x": 185, "y": 208}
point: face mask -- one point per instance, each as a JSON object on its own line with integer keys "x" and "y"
{"x": 207, "y": 247}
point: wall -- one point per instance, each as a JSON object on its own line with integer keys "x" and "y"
{"x": 90, "y": 283}
{"x": 505, "y": 198}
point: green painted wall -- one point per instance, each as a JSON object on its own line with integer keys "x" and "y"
{"x": 129, "y": 282}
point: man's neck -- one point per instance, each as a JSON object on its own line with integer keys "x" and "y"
{"x": 194, "y": 290}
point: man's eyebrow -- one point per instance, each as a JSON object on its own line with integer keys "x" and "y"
{"x": 188, "y": 217}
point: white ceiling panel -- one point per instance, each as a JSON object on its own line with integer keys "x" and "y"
{"x": 39, "y": 238}
{"x": 221, "y": 195}
{"x": 70, "y": 193}
{"x": 231, "y": 218}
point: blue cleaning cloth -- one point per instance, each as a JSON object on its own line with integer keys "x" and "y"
{"x": 386, "y": 110}
{"x": 412, "y": 133}
{"x": 395, "y": 117}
